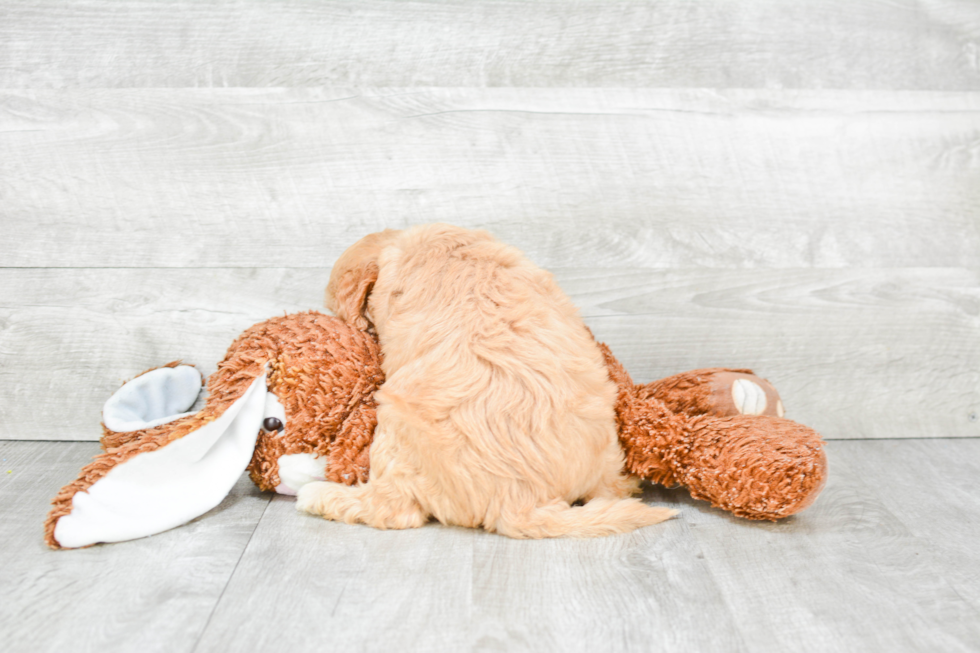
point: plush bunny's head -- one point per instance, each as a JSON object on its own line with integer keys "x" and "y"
{"x": 293, "y": 401}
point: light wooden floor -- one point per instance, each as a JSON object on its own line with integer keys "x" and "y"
{"x": 886, "y": 560}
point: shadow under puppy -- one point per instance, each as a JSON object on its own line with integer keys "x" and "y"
{"x": 497, "y": 410}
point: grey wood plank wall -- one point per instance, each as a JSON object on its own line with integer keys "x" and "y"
{"x": 793, "y": 187}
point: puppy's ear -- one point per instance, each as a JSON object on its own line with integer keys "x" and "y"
{"x": 353, "y": 277}
{"x": 347, "y": 298}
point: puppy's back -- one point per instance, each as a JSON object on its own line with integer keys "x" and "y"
{"x": 497, "y": 409}
{"x": 483, "y": 347}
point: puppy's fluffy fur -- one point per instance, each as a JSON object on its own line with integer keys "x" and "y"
{"x": 497, "y": 410}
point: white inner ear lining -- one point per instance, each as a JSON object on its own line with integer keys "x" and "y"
{"x": 157, "y": 397}
{"x": 157, "y": 490}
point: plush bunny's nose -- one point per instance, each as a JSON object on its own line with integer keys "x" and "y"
{"x": 271, "y": 424}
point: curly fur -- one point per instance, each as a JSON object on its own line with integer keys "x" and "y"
{"x": 497, "y": 410}
{"x": 756, "y": 467}
{"x": 500, "y": 411}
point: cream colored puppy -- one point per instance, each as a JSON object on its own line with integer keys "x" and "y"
{"x": 497, "y": 410}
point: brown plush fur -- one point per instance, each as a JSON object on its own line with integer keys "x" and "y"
{"x": 708, "y": 392}
{"x": 325, "y": 377}
{"x": 326, "y": 373}
{"x": 757, "y": 467}
{"x": 120, "y": 447}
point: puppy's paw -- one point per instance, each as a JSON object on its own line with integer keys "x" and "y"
{"x": 312, "y": 496}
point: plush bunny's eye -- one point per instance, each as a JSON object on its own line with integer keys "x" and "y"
{"x": 271, "y": 424}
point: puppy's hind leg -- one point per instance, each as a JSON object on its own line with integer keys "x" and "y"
{"x": 372, "y": 504}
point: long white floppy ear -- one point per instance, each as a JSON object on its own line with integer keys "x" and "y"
{"x": 158, "y": 490}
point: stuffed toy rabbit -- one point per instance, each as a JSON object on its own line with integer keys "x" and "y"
{"x": 293, "y": 402}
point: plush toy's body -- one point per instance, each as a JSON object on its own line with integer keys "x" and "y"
{"x": 305, "y": 384}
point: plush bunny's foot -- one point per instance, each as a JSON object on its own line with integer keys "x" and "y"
{"x": 716, "y": 391}
{"x": 757, "y": 468}
{"x": 743, "y": 393}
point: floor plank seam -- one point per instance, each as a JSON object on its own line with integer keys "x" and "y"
{"x": 230, "y": 577}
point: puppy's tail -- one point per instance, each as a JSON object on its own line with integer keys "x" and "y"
{"x": 597, "y": 518}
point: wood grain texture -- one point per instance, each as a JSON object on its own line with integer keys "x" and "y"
{"x": 153, "y": 594}
{"x": 906, "y": 44}
{"x": 884, "y": 560}
{"x": 789, "y": 186}
{"x": 574, "y": 177}
{"x": 346, "y": 588}
{"x": 69, "y": 339}
{"x": 944, "y": 479}
{"x": 847, "y": 574}
{"x": 793, "y": 187}
{"x": 850, "y": 573}
{"x": 452, "y": 589}
{"x": 857, "y": 353}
